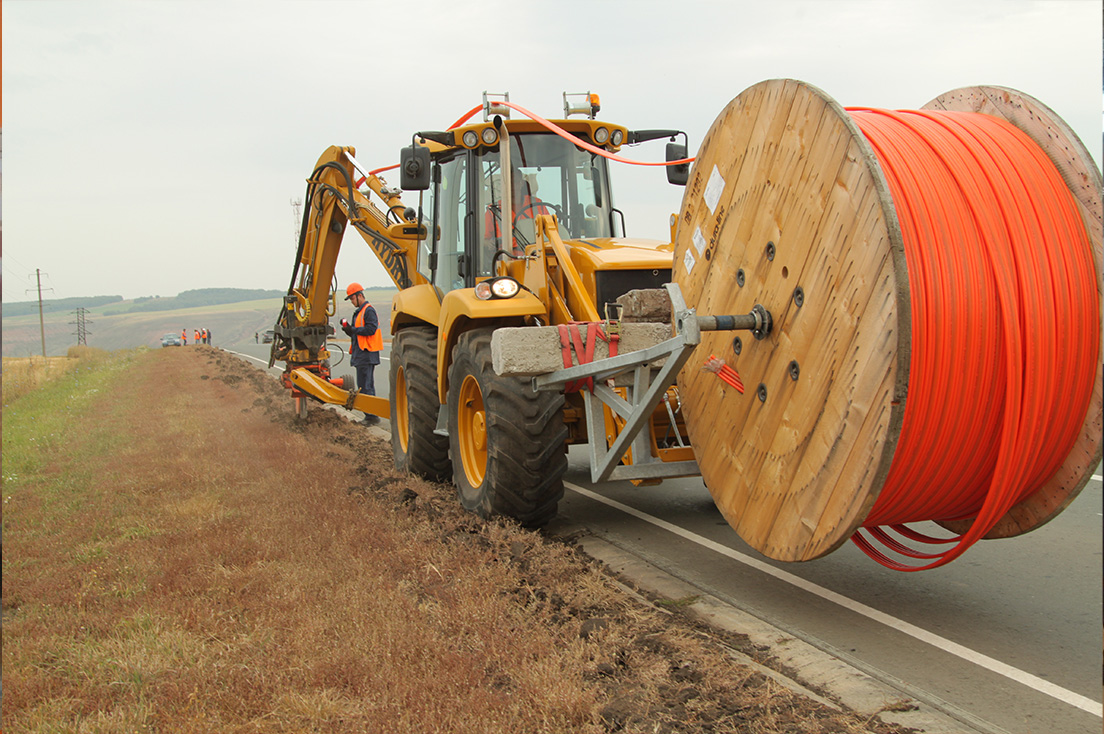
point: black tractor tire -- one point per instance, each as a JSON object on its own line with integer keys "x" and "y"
{"x": 507, "y": 441}
{"x": 414, "y": 405}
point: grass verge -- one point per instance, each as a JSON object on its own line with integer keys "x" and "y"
{"x": 183, "y": 556}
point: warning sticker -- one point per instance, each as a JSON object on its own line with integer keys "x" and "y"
{"x": 699, "y": 240}
{"x": 713, "y": 190}
{"x": 688, "y": 262}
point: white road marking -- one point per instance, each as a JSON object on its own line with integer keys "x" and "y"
{"x": 1042, "y": 686}
{"x": 242, "y": 354}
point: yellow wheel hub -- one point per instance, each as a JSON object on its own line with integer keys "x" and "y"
{"x": 472, "y": 426}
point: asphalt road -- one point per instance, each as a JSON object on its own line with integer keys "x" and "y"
{"x": 1007, "y": 638}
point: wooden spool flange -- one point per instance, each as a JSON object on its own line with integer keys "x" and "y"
{"x": 786, "y": 189}
{"x": 1081, "y": 175}
{"x": 787, "y": 197}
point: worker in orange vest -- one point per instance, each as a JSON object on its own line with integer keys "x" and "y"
{"x": 184, "y": 336}
{"x": 367, "y": 342}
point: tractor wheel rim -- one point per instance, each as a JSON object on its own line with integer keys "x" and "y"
{"x": 402, "y": 419}
{"x": 472, "y": 426}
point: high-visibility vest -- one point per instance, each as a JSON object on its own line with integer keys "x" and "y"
{"x": 372, "y": 343}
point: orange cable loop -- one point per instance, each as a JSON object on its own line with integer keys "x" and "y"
{"x": 554, "y": 128}
{"x": 1005, "y": 324}
{"x": 587, "y": 146}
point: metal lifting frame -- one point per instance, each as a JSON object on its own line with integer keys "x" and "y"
{"x": 648, "y": 388}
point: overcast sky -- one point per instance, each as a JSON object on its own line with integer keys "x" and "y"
{"x": 155, "y": 147}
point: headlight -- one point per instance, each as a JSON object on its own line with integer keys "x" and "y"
{"x": 601, "y": 135}
{"x": 503, "y": 287}
{"x": 617, "y": 137}
{"x": 490, "y": 136}
{"x": 471, "y": 139}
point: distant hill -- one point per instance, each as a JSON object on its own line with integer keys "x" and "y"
{"x": 24, "y": 308}
{"x": 192, "y": 299}
{"x": 126, "y": 324}
{"x": 185, "y": 299}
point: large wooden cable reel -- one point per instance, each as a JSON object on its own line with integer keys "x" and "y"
{"x": 787, "y": 207}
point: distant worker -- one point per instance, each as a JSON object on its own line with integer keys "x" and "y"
{"x": 257, "y": 337}
{"x": 208, "y": 336}
{"x": 197, "y": 336}
{"x": 367, "y": 343}
{"x": 184, "y": 336}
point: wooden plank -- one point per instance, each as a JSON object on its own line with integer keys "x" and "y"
{"x": 796, "y": 474}
{"x": 1083, "y": 179}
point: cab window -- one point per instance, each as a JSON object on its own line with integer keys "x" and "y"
{"x": 450, "y": 214}
{"x": 550, "y": 176}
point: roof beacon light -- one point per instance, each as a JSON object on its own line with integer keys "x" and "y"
{"x": 492, "y": 108}
{"x": 587, "y": 104}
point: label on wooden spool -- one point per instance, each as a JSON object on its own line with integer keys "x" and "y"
{"x": 786, "y": 190}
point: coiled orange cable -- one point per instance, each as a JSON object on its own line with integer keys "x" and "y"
{"x": 1005, "y": 325}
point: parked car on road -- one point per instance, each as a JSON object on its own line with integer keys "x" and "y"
{"x": 268, "y": 336}
{"x": 171, "y": 340}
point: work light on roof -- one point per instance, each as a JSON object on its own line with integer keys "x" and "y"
{"x": 490, "y": 136}
{"x": 581, "y": 103}
{"x": 471, "y": 139}
{"x": 601, "y": 135}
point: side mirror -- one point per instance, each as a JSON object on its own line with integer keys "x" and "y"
{"x": 414, "y": 168}
{"x": 680, "y": 174}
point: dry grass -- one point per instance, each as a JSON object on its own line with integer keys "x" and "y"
{"x": 182, "y": 557}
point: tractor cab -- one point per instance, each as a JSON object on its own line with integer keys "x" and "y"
{"x": 483, "y": 204}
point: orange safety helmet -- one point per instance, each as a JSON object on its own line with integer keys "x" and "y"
{"x": 353, "y": 289}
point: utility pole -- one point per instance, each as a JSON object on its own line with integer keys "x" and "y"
{"x": 82, "y": 330}
{"x": 41, "y": 323}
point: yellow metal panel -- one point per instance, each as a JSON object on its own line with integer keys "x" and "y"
{"x": 416, "y": 304}
{"x": 461, "y": 311}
